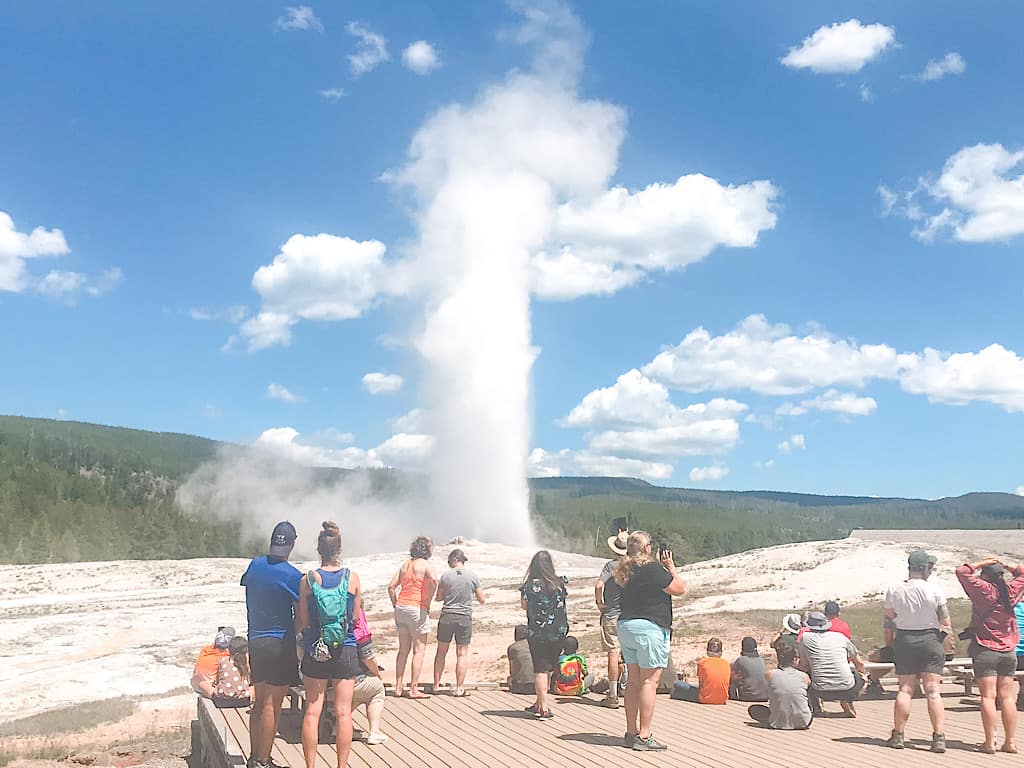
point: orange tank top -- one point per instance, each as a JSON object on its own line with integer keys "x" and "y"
{"x": 410, "y": 590}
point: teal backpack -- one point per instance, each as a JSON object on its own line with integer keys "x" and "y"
{"x": 332, "y": 612}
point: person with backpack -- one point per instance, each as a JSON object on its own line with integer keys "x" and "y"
{"x": 543, "y": 596}
{"x": 994, "y": 636}
{"x": 329, "y": 600}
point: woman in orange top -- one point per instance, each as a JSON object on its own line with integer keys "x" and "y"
{"x": 204, "y": 674}
{"x": 411, "y": 591}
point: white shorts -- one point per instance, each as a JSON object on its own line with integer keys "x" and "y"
{"x": 412, "y": 619}
{"x": 367, "y": 691}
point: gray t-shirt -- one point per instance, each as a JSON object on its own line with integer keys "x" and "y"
{"x": 748, "y": 676}
{"x": 828, "y": 655}
{"x": 612, "y": 591}
{"x": 458, "y": 585}
{"x": 787, "y": 700}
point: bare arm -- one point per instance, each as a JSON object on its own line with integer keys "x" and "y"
{"x": 430, "y": 585}
{"x": 858, "y": 662}
{"x": 480, "y": 595}
{"x": 302, "y": 607}
{"x": 393, "y": 586}
{"x": 355, "y": 587}
{"x": 599, "y": 595}
{"x": 676, "y": 587}
{"x": 371, "y": 666}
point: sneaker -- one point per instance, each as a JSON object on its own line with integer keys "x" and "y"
{"x": 650, "y": 744}
{"x": 544, "y": 714}
{"x": 611, "y": 702}
{"x": 376, "y": 738}
{"x": 895, "y": 740}
{"x": 938, "y": 743}
{"x": 628, "y": 739}
{"x": 533, "y": 708}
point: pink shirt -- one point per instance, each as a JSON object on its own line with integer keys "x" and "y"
{"x": 994, "y": 624}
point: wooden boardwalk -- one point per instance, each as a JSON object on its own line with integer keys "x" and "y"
{"x": 490, "y": 729}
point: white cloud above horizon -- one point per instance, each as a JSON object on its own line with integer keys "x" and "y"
{"x": 712, "y": 473}
{"x": 299, "y": 19}
{"x": 17, "y": 247}
{"x": 936, "y": 69}
{"x": 793, "y": 443}
{"x": 332, "y": 95}
{"x": 421, "y": 57}
{"x": 841, "y": 48}
{"x": 831, "y": 401}
{"x": 371, "y": 49}
{"x": 377, "y": 383}
{"x": 279, "y": 392}
{"x": 405, "y": 451}
{"x": 1020, "y": 490}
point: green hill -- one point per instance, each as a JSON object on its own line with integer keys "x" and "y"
{"x": 72, "y": 491}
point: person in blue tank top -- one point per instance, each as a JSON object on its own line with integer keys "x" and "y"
{"x": 271, "y": 590}
{"x": 340, "y": 662}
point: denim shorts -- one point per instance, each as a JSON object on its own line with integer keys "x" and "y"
{"x": 644, "y": 643}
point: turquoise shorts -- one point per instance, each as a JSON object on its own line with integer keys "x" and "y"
{"x": 644, "y": 643}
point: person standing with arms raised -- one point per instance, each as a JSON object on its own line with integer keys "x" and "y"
{"x": 645, "y": 628}
{"x": 271, "y": 592}
{"x": 920, "y": 615}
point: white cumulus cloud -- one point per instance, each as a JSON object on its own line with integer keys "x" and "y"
{"x": 841, "y": 48}
{"x": 795, "y": 442}
{"x": 333, "y": 95}
{"x": 406, "y": 451}
{"x": 299, "y": 19}
{"x": 371, "y": 49}
{"x": 67, "y": 285}
{"x": 994, "y": 375}
{"x": 936, "y": 69}
{"x": 377, "y": 383}
{"x": 280, "y": 392}
{"x": 708, "y": 474}
{"x": 832, "y": 401}
{"x": 567, "y": 462}
{"x": 16, "y": 247}
{"x": 421, "y": 57}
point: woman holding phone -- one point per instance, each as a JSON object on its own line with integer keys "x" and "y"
{"x": 645, "y": 627}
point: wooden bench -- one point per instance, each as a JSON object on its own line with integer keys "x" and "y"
{"x": 214, "y": 743}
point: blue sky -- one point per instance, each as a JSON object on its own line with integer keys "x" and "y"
{"x": 863, "y": 207}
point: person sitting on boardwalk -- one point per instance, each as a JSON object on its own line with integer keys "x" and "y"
{"x": 543, "y": 596}
{"x": 788, "y": 707}
{"x": 831, "y": 611}
{"x": 994, "y": 639}
{"x": 920, "y": 615}
{"x": 645, "y": 627}
{"x": 456, "y": 590}
{"x": 606, "y": 595}
{"x": 369, "y": 691}
{"x": 329, "y": 600}
{"x": 204, "y": 674}
{"x": 749, "y": 674}
{"x": 827, "y": 656}
{"x": 271, "y": 589}
{"x": 520, "y": 665}
{"x": 881, "y": 655}
{"x": 411, "y": 591}
{"x": 571, "y": 679}
{"x": 233, "y": 687}
{"x": 713, "y": 678}
{"x": 791, "y": 626}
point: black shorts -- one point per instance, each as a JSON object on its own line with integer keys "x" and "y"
{"x": 545, "y": 653}
{"x": 918, "y": 651}
{"x": 272, "y": 660}
{"x": 989, "y": 663}
{"x": 459, "y": 627}
{"x": 344, "y": 665}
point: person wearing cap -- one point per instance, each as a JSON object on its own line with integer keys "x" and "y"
{"x": 749, "y": 681}
{"x": 994, "y": 638}
{"x": 826, "y": 656}
{"x": 606, "y": 596}
{"x": 791, "y": 626}
{"x": 271, "y": 593}
{"x": 919, "y": 613}
{"x": 831, "y": 611}
{"x": 204, "y": 674}
{"x": 455, "y": 591}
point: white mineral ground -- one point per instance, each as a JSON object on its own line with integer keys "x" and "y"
{"x": 87, "y": 631}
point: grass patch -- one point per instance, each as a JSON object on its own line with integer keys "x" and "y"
{"x": 70, "y": 719}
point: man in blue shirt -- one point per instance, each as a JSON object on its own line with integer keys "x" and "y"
{"x": 271, "y": 591}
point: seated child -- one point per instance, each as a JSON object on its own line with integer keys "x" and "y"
{"x": 233, "y": 687}
{"x": 520, "y": 663}
{"x": 204, "y": 674}
{"x": 713, "y": 676}
{"x": 571, "y": 677}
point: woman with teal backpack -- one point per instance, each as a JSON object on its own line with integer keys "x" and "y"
{"x": 329, "y": 598}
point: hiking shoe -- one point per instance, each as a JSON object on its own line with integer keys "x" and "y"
{"x": 544, "y": 714}
{"x": 938, "y": 743}
{"x": 895, "y": 740}
{"x": 650, "y": 744}
{"x": 376, "y": 738}
{"x": 612, "y": 702}
{"x": 628, "y": 739}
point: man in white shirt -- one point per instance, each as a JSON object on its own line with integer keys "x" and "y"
{"x": 919, "y": 612}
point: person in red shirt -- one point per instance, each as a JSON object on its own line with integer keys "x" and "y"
{"x": 713, "y": 676}
{"x": 994, "y": 637}
{"x": 838, "y": 625}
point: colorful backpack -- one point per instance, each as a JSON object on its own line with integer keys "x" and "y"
{"x": 545, "y": 610}
{"x": 332, "y": 612}
{"x": 570, "y": 680}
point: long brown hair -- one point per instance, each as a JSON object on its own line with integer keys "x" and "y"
{"x": 329, "y": 543}
{"x": 637, "y": 555}
{"x": 543, "y": 569}
{"x": 238, "y": 649}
